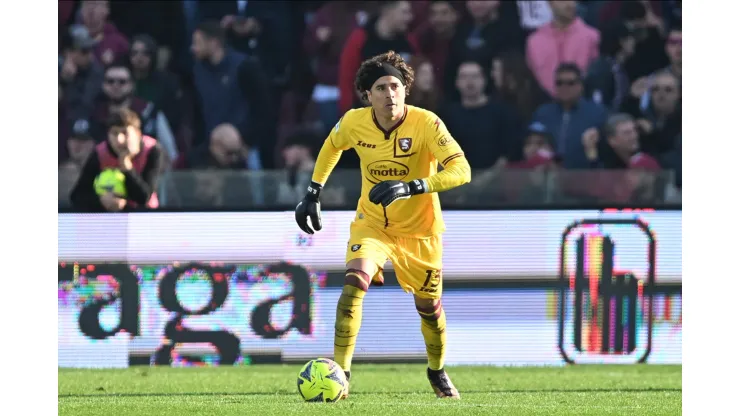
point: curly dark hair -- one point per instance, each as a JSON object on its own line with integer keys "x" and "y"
{"x": 390, "y": 58}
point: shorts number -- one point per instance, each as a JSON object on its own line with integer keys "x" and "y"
{"x": 432, "y": 281}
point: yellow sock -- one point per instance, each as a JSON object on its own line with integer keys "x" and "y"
{"x": 433, "y": 324}
{"x": 347, "y": 325}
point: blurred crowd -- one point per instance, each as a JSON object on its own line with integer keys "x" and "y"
{"x": 257, "y": 84}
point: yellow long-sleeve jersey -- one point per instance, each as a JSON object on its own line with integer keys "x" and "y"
{"x": 412, "y": 149}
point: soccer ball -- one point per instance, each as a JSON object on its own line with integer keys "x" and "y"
{"x": 322, "y": 380}
{"x": 111, "y": 180}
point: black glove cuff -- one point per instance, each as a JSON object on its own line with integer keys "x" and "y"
{"x": 417, "y": 186}
{"x": 313, "y": 191}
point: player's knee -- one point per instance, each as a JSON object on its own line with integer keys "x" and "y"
{"x": 429, "y": 309}
{"x": 357, "y": 278}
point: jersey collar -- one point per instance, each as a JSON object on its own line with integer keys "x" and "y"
{"x": 387, "y": 133}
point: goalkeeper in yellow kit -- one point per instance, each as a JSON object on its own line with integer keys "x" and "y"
{"x": 398, "y": 215}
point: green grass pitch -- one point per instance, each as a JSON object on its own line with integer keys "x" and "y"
{"x": 375, "y": 390}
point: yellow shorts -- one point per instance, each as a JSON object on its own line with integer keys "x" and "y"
{"x": 417, "y": 261}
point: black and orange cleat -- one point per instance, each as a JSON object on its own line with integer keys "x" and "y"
{"x": 442, "y": 385}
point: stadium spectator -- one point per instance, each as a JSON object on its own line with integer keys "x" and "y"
{"x": 660, "y": 121}
{"x": 232, "y": 89}
{"x": 516, "y": 86}
{"x": 534, "y": 14}
{"x": 126, "y": 149}
{"x": 118, "y": 94}
{"x": 435, "y": 34}
{"x": 224, "y": 150}
{"x": 673, "y": 49}
{"x": 481, "y": 124}
{"x": 111, "y": 45}
{"x": 569, "y": 115}
{"x": 521, "y": 180}
{"x": 298, "y": 159}
{"x": 79, "y": 144}
{"x": 607, "y": 82}
{"x": 623, "y": 140}
{"x": 260, "y": 29}
{"x": 163, "y": 21}
{"x": 425, "y": 93}
{"x": 613, "y": 10}
{"x": 152, "y": 84}
{"x": 81, "y": 76}
{"x": 77, "y": 148}
{"x": 623, "y": 153}
{"x": 323, "y": 43}
{"x": 647, "y": 30}
{"x": 235, "y": 79}
{"x": 483, "y": 34}
{"x": 387, "y": 31}
{"x": 537, "y": 150}
{"x": 566, "y": 39}
{"x": 526, "y": 179}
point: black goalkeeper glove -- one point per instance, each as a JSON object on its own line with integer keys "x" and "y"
{"x": 309, "y": 207}
{"x": 386, "y": 192}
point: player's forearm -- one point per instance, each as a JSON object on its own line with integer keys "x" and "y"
{"x": 456, "y": 173}
{"x": 325, "y": 163}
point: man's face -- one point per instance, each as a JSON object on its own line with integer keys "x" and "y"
{"x": 226, "y": 147}
{"x": 125, "y": 140}
{"x": 628, "y": 45}
{"x": 201, "y": 46}
{"x": 470, "y": 80}
{"x": 665, "y": 93}
{"x": 481, "y": 10}
{"x": 673, "y": 46}
{"x": 79, "y": 148}
{"x": 564, "y": 10}
{"x": 94, "y": 13}
{"x": 82, "y": 58}
{"x": 387, "y": 96}
{"x": 442, "y": 16}
{"x": 140, "y": 58}
{"x": 626, "y": 138}
{"x": 568, "y": 87}
{"x": 400, "y": 15}
{"x": 535, "y": 143}
{"x": 117, "y": 84}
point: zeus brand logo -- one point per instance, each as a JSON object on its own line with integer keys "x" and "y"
{"x": 387, "y": 169}
{"x": 175, "y": 330}
{"x": 363, "y": 144}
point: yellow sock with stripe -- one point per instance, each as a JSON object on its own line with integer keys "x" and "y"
{"x": 433, "y": 325}
{"x": 349, "y": 317}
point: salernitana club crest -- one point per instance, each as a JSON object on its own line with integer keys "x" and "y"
{"x": 404, "y": 144}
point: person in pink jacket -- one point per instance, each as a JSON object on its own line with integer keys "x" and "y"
{"x": 566, "y": 39}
